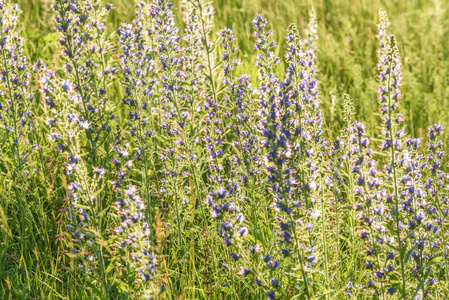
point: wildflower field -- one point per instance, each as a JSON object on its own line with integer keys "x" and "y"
{"x": 266, "y": 149}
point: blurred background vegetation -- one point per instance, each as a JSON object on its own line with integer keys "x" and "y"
{"x": 346, "y": 48}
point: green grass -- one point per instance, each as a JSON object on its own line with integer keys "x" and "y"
{"x": 30, "y": 264}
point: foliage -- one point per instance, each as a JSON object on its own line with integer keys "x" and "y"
{"x": 153, "y": 156}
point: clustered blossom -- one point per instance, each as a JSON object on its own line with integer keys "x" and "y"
{"x": 407, "y": 224}
{"x": 65, "y": 128}
{"x": 193, "y": 55}
{"x": 268, "y": 93}
{"x": 382, "y": 32}
{"x": 185, "y": 83}
{"x": 265, "y": 59}
{"x": 228, "y": 198}
{"x": 139, "y": 76}
{"x": 337, "y": 179}
{"x": 79, "y": 119}
{"x": 239, "y": 119}
{"x": 246, "y": 162}
{"x": 17, "y": 98}
{"x": 171, "y": 81}
{"x": 337, "y": 157}
{"x": 198, "y": 18}
{"x": 221, "y": 196}
{"x": 133, "y": 234}
{"x": 85, "y": 46}
{"x": 437, "y": 208}
{"x": 311, "y": 32}
{"x": 436, "y": 186}
{"x": 335, "y": 182}
{"x": 179, "y": 105}
{"x": 395, "y": 213}
{"x": 135, "y": 229}
{"x": 133, "y": 154}
{"x": 291, "y": 126}
{"x": 369, "y": 203}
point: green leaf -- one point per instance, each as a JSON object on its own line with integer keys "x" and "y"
{"x": 407, "y": 256}
{"x": 98, "y": 192}
{"x": 392, "y": 247}
{"x": 390, "y": 227}
{"x": 394, "y": 279}
{"x": 81, "y": 206}
{"x": 434, "y": 260}
{"x": 94, "y": 289}
{"x": 101, "y": 213}
{"x": 111, "y": 264}
{"x": 226, "y": 289}
{"x": 421, "y": 283}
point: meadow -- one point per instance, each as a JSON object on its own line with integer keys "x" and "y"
{"x": 224, "y": 149}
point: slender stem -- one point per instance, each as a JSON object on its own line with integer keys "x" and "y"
{"x": 396, "y": 198}
{"x": 292, "y": 223}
